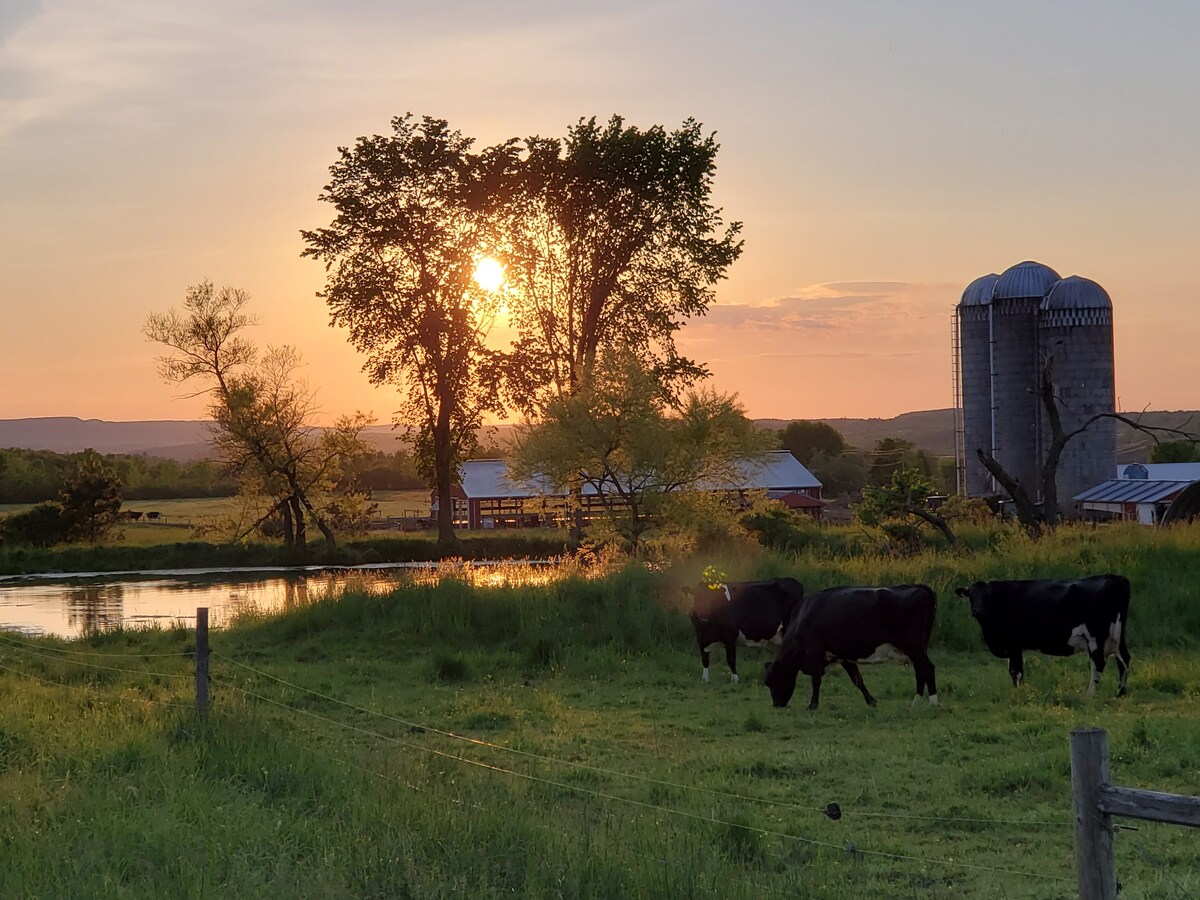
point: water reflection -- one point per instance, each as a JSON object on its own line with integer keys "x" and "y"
{"x": 95, "y": 607}
{"x": 72, "y": 608}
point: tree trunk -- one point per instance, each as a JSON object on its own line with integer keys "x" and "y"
{"x": 289, "y": 527}
{"x": 443, "y": 477}
{"x": 1027, "y": 511}
{"x": 301, "y": 528}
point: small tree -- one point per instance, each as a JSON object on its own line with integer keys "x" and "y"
{"x": 91, "y": 499}
{"x": 262, "y": 412}
{"x": 40, "y": 526}
{"x": 901, "y": 507}
{"x": 619, "y": 436}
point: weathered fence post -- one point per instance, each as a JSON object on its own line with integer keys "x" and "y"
{"x": 201, "y": 660}
{"x": 1093, "y": 828}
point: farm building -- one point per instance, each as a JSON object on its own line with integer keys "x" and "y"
{"x": 1151, "y": 493}
{"x": 1006, "y": 328}
{"x": 487, "y": 498}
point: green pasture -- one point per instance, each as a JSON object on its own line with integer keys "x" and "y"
{"x": 599, "y": 765}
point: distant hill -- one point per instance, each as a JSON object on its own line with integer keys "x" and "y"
{"x": 186, "y": 440}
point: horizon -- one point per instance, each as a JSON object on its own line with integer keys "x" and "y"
{"x": 880, "y": 163}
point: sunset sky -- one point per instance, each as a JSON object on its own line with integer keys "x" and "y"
{"x": 881, "y": 156}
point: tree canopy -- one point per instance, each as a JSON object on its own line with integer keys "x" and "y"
{"x": 615, "y": 245}
{"x": 804, "y": 438}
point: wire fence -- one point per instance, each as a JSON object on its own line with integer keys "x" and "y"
{"x": 40, "y": 654}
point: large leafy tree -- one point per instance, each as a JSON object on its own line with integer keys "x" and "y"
{"x": 414, "y": 213}
{"x": 617, "y": 243}
{"x": 622, "y": 438}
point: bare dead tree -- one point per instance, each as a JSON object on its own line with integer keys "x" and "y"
{"x": 1028, "y": 513}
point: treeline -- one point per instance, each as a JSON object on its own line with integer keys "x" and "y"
{"x": 844, "y": 469}
{"x": 32, "y": 476}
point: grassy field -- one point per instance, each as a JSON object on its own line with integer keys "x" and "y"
{"x": 599, "y": 765}
{"x": 198, "y": 511}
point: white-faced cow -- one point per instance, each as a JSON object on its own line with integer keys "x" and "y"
{"x": 852, "y": 625}
{"x": 1056, "y": 617}
{"x": 750, "y": 610}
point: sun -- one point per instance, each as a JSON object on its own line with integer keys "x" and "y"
{"x": 489, "y": 274}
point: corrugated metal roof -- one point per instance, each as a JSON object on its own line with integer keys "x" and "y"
{"x": 1165, "y": 471}
{"x": 779, "y": 470}
{"x": 1027, "y": 279}
{"x": 1131, "y": 490}
{"x": 1076, "y": 292}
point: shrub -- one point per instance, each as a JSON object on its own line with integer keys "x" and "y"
{"x": 41, "y": 526}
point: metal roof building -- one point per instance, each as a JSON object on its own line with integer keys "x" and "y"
{"x": 1150, "y": 493}
{"x": 487, "y": 497}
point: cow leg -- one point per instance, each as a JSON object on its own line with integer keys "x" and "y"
{"x": 1016, "y": 667}
{"x": 731, "y": 658}
{"x": 816, "y": 692}
{"x": 1097, "y": 657}
{"x": 1122, "y": 666}
{"x": 704, "y": 660}
{"x": 857, "y": 679}
{"x": 923, "y": 668}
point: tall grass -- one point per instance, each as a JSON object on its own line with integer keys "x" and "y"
{"x": 107, "y": 792}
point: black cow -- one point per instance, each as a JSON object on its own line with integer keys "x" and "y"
{"x": 854, "y": 625}
{"x": 1056, "y": 617}
{"x": 751, "y": 610}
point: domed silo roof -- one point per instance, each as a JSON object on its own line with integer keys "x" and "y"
{"x": 1076, "y": 293}
{"x": 1027, "y": 279}
{"x": 979, "y": 291}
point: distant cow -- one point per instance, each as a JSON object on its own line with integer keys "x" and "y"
{"x": 750, "y": 610}
{"x": 852, "y": 625}
{"x": 1056, "y": 617}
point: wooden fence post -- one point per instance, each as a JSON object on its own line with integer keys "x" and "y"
{"x": 1093, "y": 827}
{"x": 202, "y": 660}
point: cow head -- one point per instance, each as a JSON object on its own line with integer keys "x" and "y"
{"x": 977, "y": 593}
{"x": 781, "y": 679}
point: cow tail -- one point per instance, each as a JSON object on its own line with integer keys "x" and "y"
{"x": 932, "y": 617}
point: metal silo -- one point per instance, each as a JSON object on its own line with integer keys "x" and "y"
{"x": 1076, "y": 328}
{"x": 973, "y": 386}
{"x": 1016, "y": 415}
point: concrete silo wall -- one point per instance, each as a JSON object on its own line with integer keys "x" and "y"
{"x": 976, "y": 399}
{"x": 1015, "y": 376}
{"x": 1081, "y": 341}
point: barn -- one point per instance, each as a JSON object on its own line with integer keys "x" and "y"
{"x": 487, "y": 498}
{"x": 1149, "y": 493}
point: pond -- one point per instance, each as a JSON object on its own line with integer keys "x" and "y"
{"x": 75, "y": 604}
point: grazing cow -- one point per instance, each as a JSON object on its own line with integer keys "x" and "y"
{"x": 750, "y": 610}
{"x": 852, "y": 625}
{"x": 1056, "y": 617}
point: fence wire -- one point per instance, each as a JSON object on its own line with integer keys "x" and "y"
{"x": 851, "y": 849}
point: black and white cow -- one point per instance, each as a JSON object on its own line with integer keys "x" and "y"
{"x": 1056, "y": 617}
{"x": 852, "y": 625}
{"x": 750, "y": 610}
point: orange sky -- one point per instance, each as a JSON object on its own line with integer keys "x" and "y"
{"x": 880, "y": 155}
